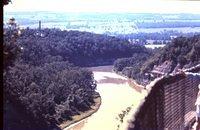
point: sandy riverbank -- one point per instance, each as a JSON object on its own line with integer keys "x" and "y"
{"x": 117, "y": 93}
{"x": 83, "y": 115}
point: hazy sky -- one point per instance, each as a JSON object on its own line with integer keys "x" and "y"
{"x": 131, "y": 6}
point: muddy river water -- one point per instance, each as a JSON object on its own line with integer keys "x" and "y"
{"x": 117, "y": 93}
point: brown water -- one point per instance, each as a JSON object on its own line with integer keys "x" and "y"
{"x": 117, "y": 94}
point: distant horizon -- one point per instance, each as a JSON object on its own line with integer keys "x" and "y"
{"x": 105, "y": 6}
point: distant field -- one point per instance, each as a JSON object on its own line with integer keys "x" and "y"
{"x": 113, "y": 24}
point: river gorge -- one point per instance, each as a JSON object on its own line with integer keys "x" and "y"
{"x": 117, "y": 94}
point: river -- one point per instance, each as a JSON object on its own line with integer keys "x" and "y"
{"x": 117, "y": 94}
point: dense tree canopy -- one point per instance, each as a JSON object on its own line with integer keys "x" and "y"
{"x": 183, "y": 52}
{"x": 43, "y": 91}
{"x": 11, "y": 49}
{"x": 131, "y": 66}
{"x": 80, "y": 48}
{"x": 43, "y": 82}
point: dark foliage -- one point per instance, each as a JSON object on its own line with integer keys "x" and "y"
{"x": 131, "y": 66}
{"x": 52, "y": 93}
{"x": 11, "y": 49}
{"x": 182, "y": 51}
{"x": 44, "y": 86}
{"x": 80, "y": 48}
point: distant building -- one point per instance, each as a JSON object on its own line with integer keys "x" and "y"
{"x": 153, "y": 46}
{"x": 150, "y": 41}
{"x": 157, "y": 41}
{"x": 174, "y": 36}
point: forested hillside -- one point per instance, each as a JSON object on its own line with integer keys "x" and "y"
{"x": 45, "y": 92}
{"x": 182, "y": 52}
{"x": 41, "y": 80}
{"x": 79, "y": 48}
{"x": 131, "y": 67}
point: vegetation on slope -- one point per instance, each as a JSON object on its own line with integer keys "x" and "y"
{"x": 183, "y": 52}
{"x": 44, "y": 85}
{"x": 47, "y": 93}
{"x": 79, "y": 48}
{"x": 130, "y": 67}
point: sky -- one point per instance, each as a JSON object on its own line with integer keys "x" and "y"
{"x": 109, "y": 6}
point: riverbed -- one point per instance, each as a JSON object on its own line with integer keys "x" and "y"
{"x": 117, "y": 93}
